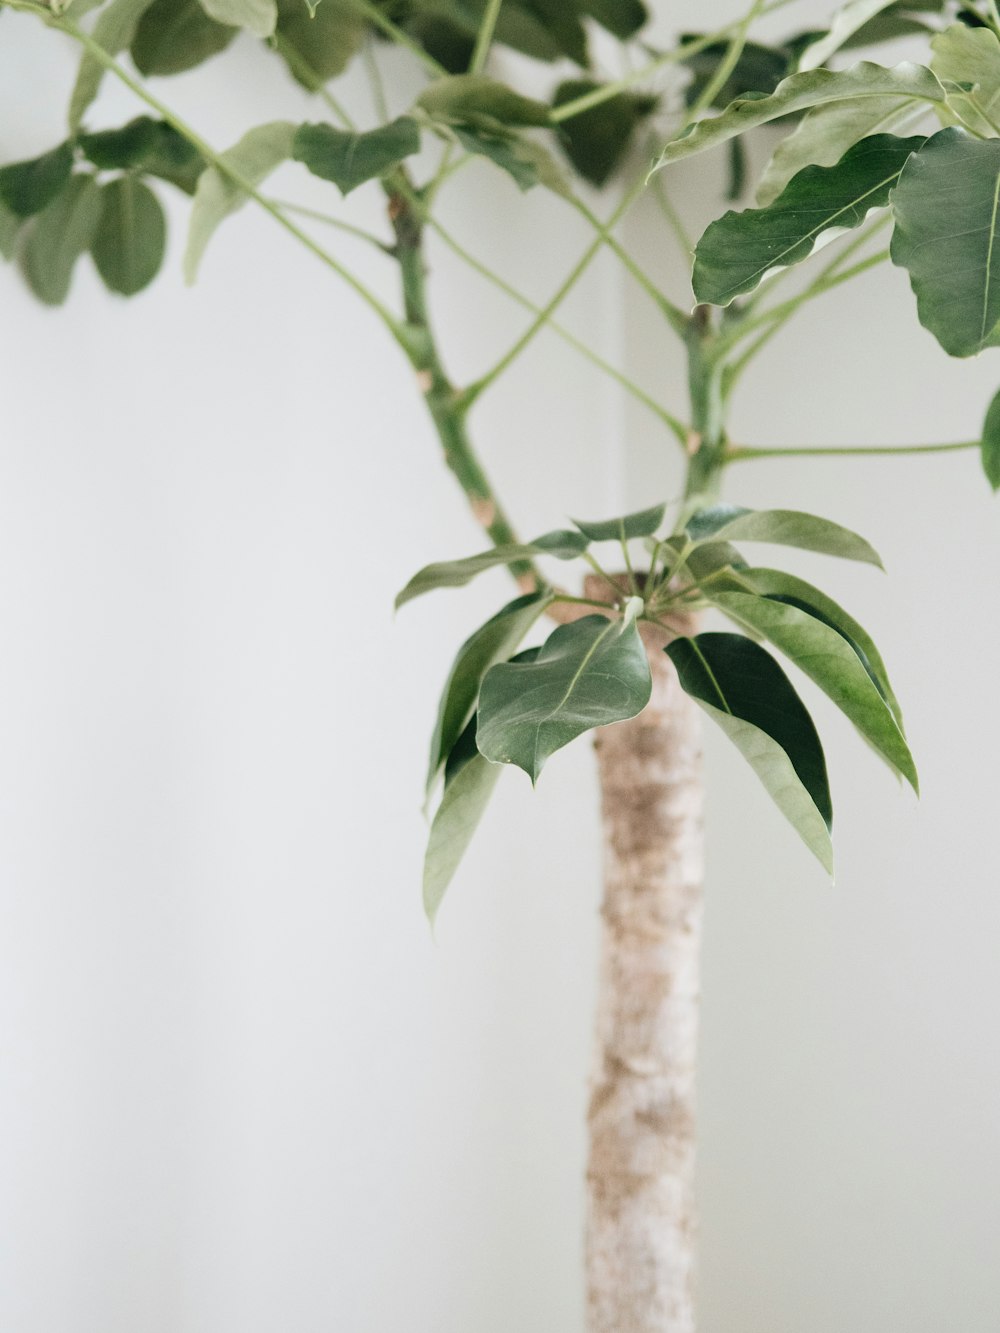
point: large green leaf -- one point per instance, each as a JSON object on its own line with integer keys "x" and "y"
{"x": 966, "y": 56}
{"x": 824, "y": 135}
{"x": 457, "y": 573}
{"x": 114, "y": 31}
{"x": 946, "y": 236}
{"x": 10, "y": 229}
{"x": 491, "y": 643}
{"x": 59, "y": 236}
{"x": 990, "y": 449}
{"x": 131, "y": 236}
{"x": 622, "y": 18}
{"x": 349, "y": 158}
{"x": 477, "y": 100}
{"x": 455, "y": 821}
{"x": 830, "y": 660}
{"x": 744, "y": 690}
{"x": 323, "y": 43}
{"x": 800, "y": 92}
{"x": 26, "y": 187}
{"x": 739, "y": 249}
{"x": 846, "y": 22}
{"x": 147, "y": 145}
{"x": 176, "y": 35}
{"x": 256, "y": 155}
{"x": 259, "y": 16}
{"x": 643, "y": 523}
{"x": 781, "y": 527}
{"x": 597, "y": 140}
{"x": 588, "y": 674}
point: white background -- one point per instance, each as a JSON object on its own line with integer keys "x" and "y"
{"x": 242, "y": 1090}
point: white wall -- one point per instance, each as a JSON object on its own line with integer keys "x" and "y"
{"x": 241, "y": 1088}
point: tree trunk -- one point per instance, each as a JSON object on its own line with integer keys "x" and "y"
{"x": 640, "y": 1178}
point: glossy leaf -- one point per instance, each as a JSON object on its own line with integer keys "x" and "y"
{"x": 738, "y": 250}
{"x": 966, "y": 56}
{"x": 782, "y": 527}
{"x": 457, "y": 573}
{"x": 146, "y": 145}
{"x": 493, "y": 642}
{"x": 846, "y": 22}
{"x": 800, "y": 92}
{"x": 349, "y": 158}
{"x": 477, "y": 100}
{"x": 643, "y": 523}
{"x": 588, "y": 674}
{"x": 258, "y": 16}
{"x": 829, "y": 660}
{"x": 256, "y": 155}
{"x": 131, "y": 236}
{"x": 947, "y": 236}
{"x": 597, "y": 140}
{"x": 59, "y": 236}
{"x": 323, "y": 42}
{"x": 176, "y": 35}
{"x": 744, "y": 690}
{"x": 455, "y": 821}
{"x": 27, "y": 187}
{"x": 990, "y": 450}
{"x": 113, "y": 32}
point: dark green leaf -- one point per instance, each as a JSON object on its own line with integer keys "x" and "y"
{"x": 131, "y": 236}
{"x": 58, "y": 236}
{"x": 526, "y": 161}
{"x": 640, "y": 524}
{"x": 10, "y": 228}
{"x": 739, "y": 249}
{"x": 146, "y": 145}
{"x": 828, "y": 659}
{"x": 759, "y": 69}
{"x": 990, "y": 452}
{"x": 26, "y": 187}
{"x": 597, "y": 141}
{"x": 176, "y": 35}
{"x": 745, "y": 691}
{"x": 319, "y": 47}
{"x": 349, "y": 158}
{"x": 474, "y": 99}
{"x": 782, "y": 527}
{"x": 588, "y": 674}
{"x": 622, "y": 18}
{"x": 946, "y": 235}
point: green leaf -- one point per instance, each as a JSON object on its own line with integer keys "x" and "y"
{"x": 759, "y": 69}
{"x": 800, "y": 92}
{"x": 527, "y": 162}
{"x": 964, "y": 55}
{"x": 782, "y": 527}
{"x": 643, "y": 523}
{"x": 10, "y": 229}
{"x": 493, "y": 642}
{"x": 744, "y": 690}
{"x": 176, "y": 35}
{"x": 256, "y": 155}
{"x": 946, "y": 236}
{"x": 457, "y": 573}
{"x": 259, "y": 16}
{"x": 349, "y": 158}
{"x": 598, "y": 140}
{"x": 26, "y": 187}
{"x": 990, "y": 452}
{"x": 622, "y": 18}
{"x": 588, "y": 674}
{"x": 829, "y": 660}
{"x": 846, "y": 22}
{"x": 455, "y": 821}
{"x": 58, "y": 236}
{"x": 114, "y": 31}
{"x": 146, "y": 145}
{"x": 824, "y": 135}
{"x": 738, "y": 250}
{"x": 475, "y": 99}
{"x": 324, "y": 42}
{"x": 131, "y": 236}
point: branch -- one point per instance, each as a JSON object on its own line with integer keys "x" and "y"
{"x": 741, "y": 453}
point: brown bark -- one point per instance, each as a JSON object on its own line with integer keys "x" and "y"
{"x": 640, "y": 1178}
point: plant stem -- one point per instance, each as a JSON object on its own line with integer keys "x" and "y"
{"x": 330, "y": 221}
{"x": 313, "y": 81}
{"x": 485, "y": 36}
{"x": 728, "y": 63}
{"x": 741, "y": 453}
{"x": 375, "y": 16}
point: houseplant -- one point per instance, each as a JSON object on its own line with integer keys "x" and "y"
{"x": 125, "y": 257}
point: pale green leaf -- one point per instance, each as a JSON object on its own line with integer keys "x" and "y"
{"x": 58, "y": 237}
{"x": 643, "y": 523}
{"x": 964, "y": 56}
{"x": 115, "y": 28}
{"x": 457, "y": 573}
{"x": 259, "y": 16}
{"x": 846, "y": 22}
{"x": 781, "y": 527}
{"x": 477, "y": 100}
{"x": 455, "y": 821}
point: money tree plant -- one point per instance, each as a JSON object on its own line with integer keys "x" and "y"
{"x": 909, "y": 150}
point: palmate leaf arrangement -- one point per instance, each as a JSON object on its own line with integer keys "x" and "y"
{"x": 914, "y": 147}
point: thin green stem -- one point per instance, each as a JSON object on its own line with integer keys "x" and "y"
{"x": 376, "y": 83}
{"x": 376, "y": 16}
{"x": 728, "y": 63}
{"x": 330, "y": 221}
{"x": 602, "y": 574}
{"x": 627, "y": 554}
{"x": 673, "y": 218}
{"x": 582, "y": 601}
{"x": 742, "y": 453}
{"x": 301, "y": 68}
{"x": 484, "y": 37}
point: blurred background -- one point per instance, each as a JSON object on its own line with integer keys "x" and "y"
{"x": 242, "y": 1088}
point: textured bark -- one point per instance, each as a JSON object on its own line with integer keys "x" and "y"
{"x": 641, "y": 1217}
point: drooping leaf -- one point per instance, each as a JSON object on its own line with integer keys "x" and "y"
{"x": 10, "y": 228}
{"x": 781, "y": 527}
{"x": 253, "y": 158}
{"x": 114, "y": 31}
{"x": 825, "y": 134}
{"x": 176, "y": 35}
{"x": 846, "y": 22}
{"x": 966, "y": 56}
{"x": 738, "y": 250}
{"x": 475, "y": 99}
{"x": 58, "y": 237}
{"x": 597, "y": 140}
{"x": 27, "y": 187}
{"x": 643, "y": 523}
{"x": 146, "y": 145}
{"x": 455, "y": 821}
{"x": 259, "y": 16}
{"x": 523, "y": 159}
{"x": 744, "y": 690}
{"x": 493, "y": 642}
{"x": 457, "y": 573}
{"x": 349, "y": 158}
{"x": 828, "y": 659}
{"x": 800, "y": 92}
{"x": 990, "y": 449}
{"x": 324, "y": 42}
{"x": 131, "y": 236}
{"x": 588, "y": 674}
{"x": 947, "y": 236}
